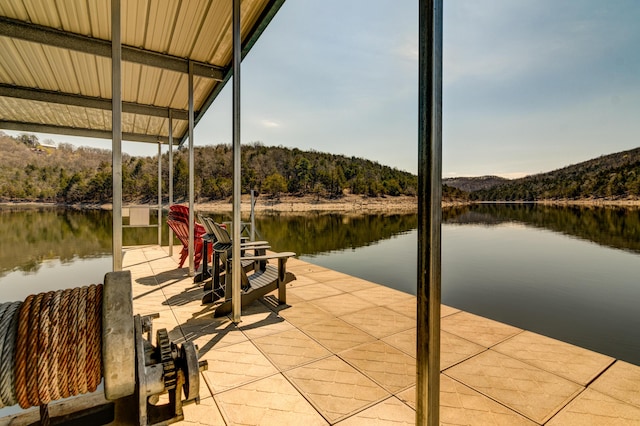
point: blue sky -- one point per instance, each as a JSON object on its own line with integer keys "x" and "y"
{"x": 529, "y": 85}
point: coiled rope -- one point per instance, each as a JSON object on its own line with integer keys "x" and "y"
{"x": 8, "y": 330}
{"x": 51, "y": 346}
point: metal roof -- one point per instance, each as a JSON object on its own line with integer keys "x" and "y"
{"x": 55, "y": 63}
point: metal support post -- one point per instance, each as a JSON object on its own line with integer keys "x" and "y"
{"x": 170, "y": 177}
{"x": 236, "y": 305}
{"x": 191, "y": 175}
{"x": 159, "y": 193}
{"x": 116, "y": 130}
{"x": 429, "y": 212}
{"x": 253, "y": 216}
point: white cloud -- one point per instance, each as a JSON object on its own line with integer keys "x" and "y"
{"x": 408, "y": 48}
{"x": 269, "y": 123}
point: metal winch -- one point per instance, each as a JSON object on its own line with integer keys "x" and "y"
{"x": 60, "y": 344}
{"x": 164, "y": 368}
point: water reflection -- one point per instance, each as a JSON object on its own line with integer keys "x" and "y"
{"x": 317, "y": 233}
{"x": 616, "y": 227}
{"x": 312, "y": 234}
{"x": 33, "y": 235}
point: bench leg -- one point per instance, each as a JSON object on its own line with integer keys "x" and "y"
{"x": 282, "y": 283}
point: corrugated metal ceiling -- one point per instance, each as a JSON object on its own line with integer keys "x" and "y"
{"x": 55, "y": 62}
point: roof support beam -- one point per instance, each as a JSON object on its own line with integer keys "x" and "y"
{"x": 236, "y": 305}
{"x": 159, "y": 194}
{"x": 76, "y": 131}
{"x": 116, "y": 133}
{"x": 50, "y": 36}
{"x": 429, "y": 212}
{"x": 40, "y": 95}
{"x": 192, "y": 174}
{"x": 170, "y": 178}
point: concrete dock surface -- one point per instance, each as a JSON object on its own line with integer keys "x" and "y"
{"x": 342, "y": 351}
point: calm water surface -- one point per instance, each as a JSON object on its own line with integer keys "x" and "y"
{"x": 538, "y": 280}
{"x": 44, "y": 249}
{"x": 563, "y": 272}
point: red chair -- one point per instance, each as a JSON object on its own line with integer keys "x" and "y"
{"x": 181, "y": 230}
{"x": 180, "y": 213}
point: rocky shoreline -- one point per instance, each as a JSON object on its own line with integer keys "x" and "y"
{"x": 351, "y": 203}
{"x": 346, "y": 204}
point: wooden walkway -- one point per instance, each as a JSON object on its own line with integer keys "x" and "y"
{"x": 343, "y": 352}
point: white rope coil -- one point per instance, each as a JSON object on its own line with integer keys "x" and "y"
{"x": 8, "y": 329}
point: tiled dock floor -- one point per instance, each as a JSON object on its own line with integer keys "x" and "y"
{"x": 342, "y": 351}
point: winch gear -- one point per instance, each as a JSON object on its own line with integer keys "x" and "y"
{"x": 166, "y": 350}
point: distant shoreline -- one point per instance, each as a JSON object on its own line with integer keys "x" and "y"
{"x": 346, "y": 204}
{"x": 592, "y": 203}
{"x": 562, "y": 203}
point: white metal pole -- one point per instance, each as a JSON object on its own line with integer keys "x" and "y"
{"x": 236, "y": 305}
{"x": 159, "y": 193}
{"x": 253, "y": 217}
{"x": 116, "y": 130}
{"x": 170, "y": 178}
{"x": 191, "y": 175}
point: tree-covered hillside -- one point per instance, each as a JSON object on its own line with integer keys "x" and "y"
{"x": 470, "y": 184}
{"x": 32, "y": 172}
{"x": 279, "y": 170}
{"x": 614, "y": 176}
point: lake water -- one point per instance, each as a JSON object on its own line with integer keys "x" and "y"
{"x": 569, "y": 273}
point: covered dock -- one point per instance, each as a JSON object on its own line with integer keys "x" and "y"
{"x": 343, "y": 350}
